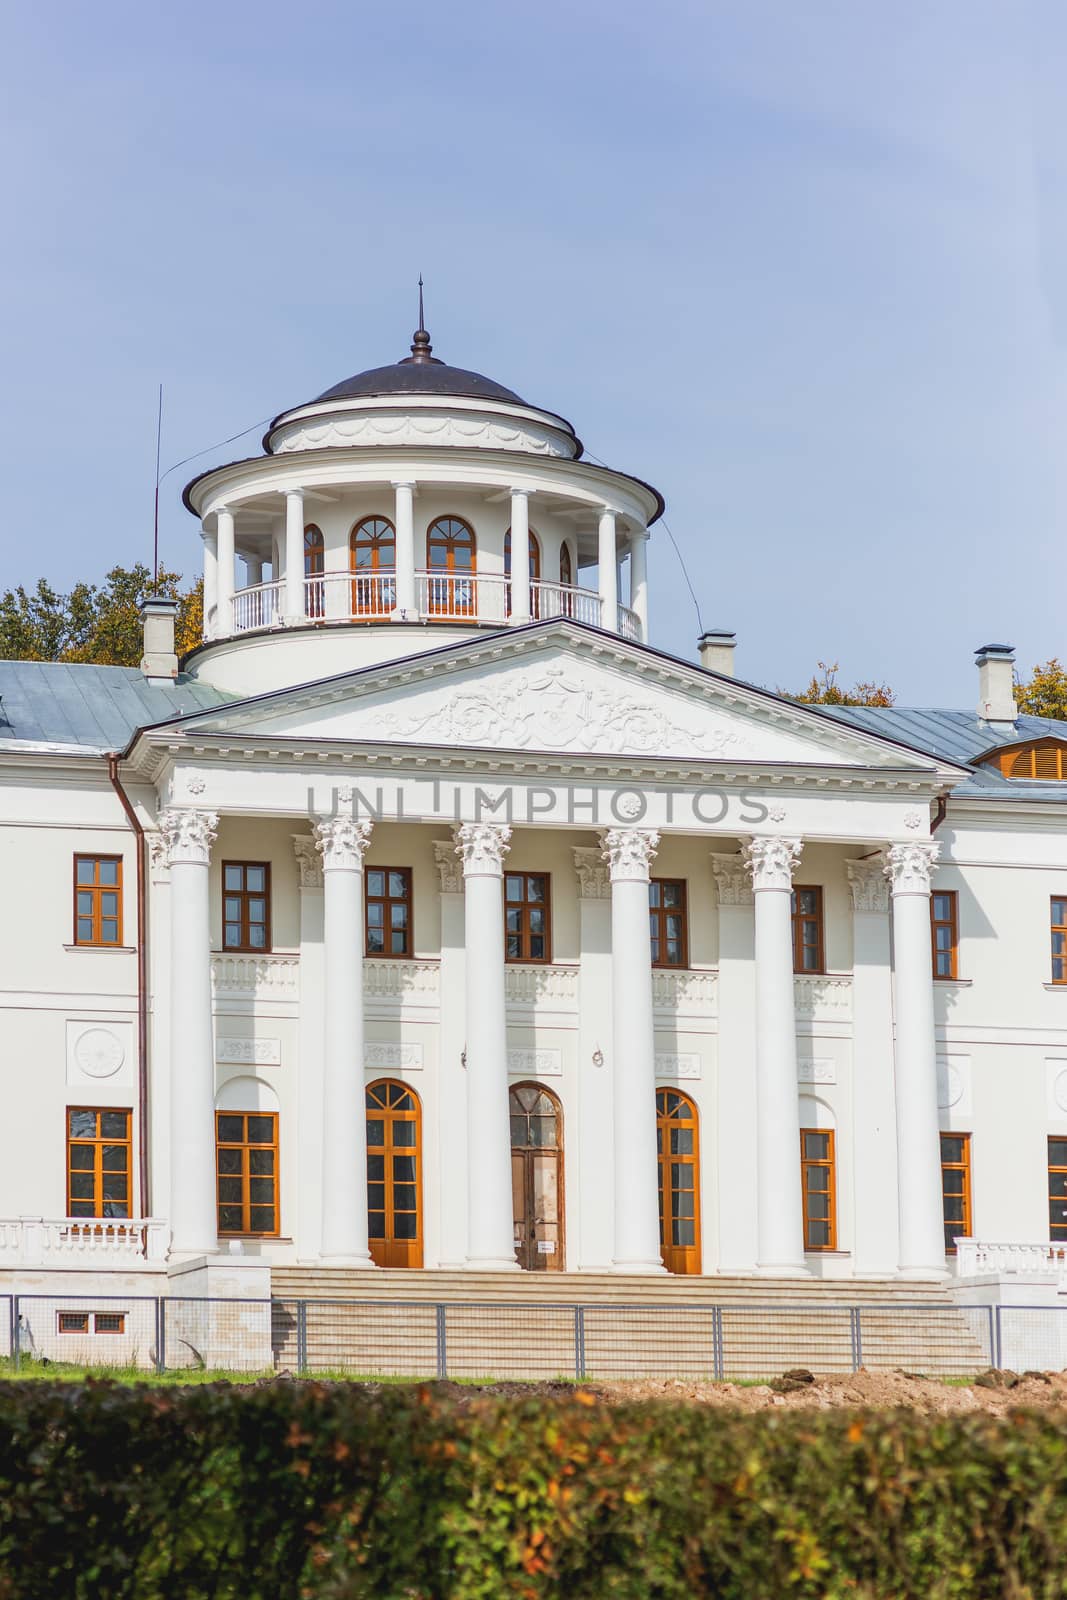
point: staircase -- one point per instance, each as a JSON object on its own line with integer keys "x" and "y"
{"x": 551, "y": 1325}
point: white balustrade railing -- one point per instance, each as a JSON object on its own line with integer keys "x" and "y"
{"x": 824, "y": 995}
{"x": 564, "y": 600}
{"x": 266, "y": 977}
{"x": 69, "y": 1241}
{"x": 684, "y": 990}
{"x": 981, "y": 1257}
{"x": 456, "y": 596}
{"x": 258, "y": 607}
{"x": 355, "y": 596}
{"x": 629, "y": 624}
{"x": 388, "y": 979}
{"x": 537, "y": 985}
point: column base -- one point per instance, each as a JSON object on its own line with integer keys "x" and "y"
{"x": 327, "y": 1259}
{"x": 925, "y": 1274}
{"x": 491, "y": 1264}
{"x": 645, "y": 1268}
{"x": 782, "y": 1269}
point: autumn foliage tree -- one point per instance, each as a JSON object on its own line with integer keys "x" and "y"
{"x": 824, "y": 690}
{"x": 1046, "y": 693}
{"x": 99, "y": 623}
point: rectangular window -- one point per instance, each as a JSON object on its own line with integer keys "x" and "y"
{"x": 98, "y": 1162}
{"x": 956, "y": 1187}
{"x": 98, "y": 900}
{"x": 668, "y": 923}
{"x": 73, "y": 1322}
{"x": 818, "y": 1189}
{"x": 246, "y": 1144}
{"x": 1057, "y": 1190}
{"x": 387, "y": 911}
{"x": 246, "y": 905}
{"x": 944, "y": 932}
{"x": 807, "y": 929}
{"x": 1059, "y": 939}
{"x": 94, "y": 1321}
{"x": 109, "y": 1322}
{"x": 526, "y": 916}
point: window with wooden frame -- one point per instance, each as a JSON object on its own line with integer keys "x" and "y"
{"x": 678, "y": 1149}
{"x": 668, "y": 922}
{"x": 818, "y": 1186}
{"x": 246, "y": 905}
{"x": 808, "y": 929}
{"x": 1057, "y": 1190}
{"x": 98, "y": 900}
{"x": 1058, "y": 915}
{"x": 246, "y": 1154}
{"x": 527, "y": 930}
{"x": 394, "y": 1174}
{"x": 387, "y": 911}
{"x": 956, "y": 1188}
{"x": 99, "y": 1147}
{"x": 945, "y": 932}
{"x": 91, "y": 1321}
{"x": 1038, "y": 758}
{"x": 314, "y": 569}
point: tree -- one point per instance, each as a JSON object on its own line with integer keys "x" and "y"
{"x": 825, "y": 690}
{"x": 97, "y": 623}
{"x": 1046, "y": 693}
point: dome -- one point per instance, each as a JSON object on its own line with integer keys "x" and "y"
{"x": 420, "y": 373}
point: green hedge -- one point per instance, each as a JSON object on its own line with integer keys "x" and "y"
{"x": 329, "y": 1491}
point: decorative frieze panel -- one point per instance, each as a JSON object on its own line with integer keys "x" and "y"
{"x": 535, "y": 1063}
{"x": 401, "y": 980}
{"x": 267, "y": 977}
{"x": 823, "y": 998}
{"x": 684, "y": 990}
{"x": 531, "y": 986}
{"x": 249, "y": 1052}
{"x": 392, "y": 1057}
{"x": 821, "y": 1070}
{"x": 678, "y": 1067}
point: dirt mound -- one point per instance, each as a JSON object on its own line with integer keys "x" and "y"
{"x": 993, "y": 1392}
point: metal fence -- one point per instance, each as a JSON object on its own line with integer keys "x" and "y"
{"x": 481, "y": 1339}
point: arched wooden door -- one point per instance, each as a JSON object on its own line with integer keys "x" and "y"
{"x": 677, "y": 1140}
{"x": 314, "y": 568}
{"x": 394, "y": 1174}
{"x": 537, "y": 1177}
{"x": 535, "y": 572}
{"x": 372, "y": 558}
{"x": 451, "y": 559}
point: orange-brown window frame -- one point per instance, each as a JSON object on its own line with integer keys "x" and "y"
{"x": 658, "y": 915}
{"x": 827, "y": 1164}
{"x": 244, "y": 895}
{"x": 684, "y": 1259}
{"x": 956, "y": 1229}
{"x": 375, "y": 537}
{"x": 385, "y": 1104}
{"x": 523, "y": 908}
{"x": 950, "y": 900}
{"x": 388, "y": 901}
{"x": 1058, "y": 934}
{"x": 1057, "y": 1187}
{"x": 248, "y": 1201}
{"x": 100, "y": 1174}
{"x": 96, "y": 890}
{"x": 1024, "y": 760}
{"x": 808, "y": 919}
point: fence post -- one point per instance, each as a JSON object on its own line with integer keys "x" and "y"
{"x": 442, "y": 1345}
{"x": 301, "y": 1335}
{"x": 999, "y": 1355}
{"x": 161, "y": 1334}
{"x": 16, "y": 1342}
{"x": 579, "y": 1342}
{"x": 856, "y": 1335}
{"x": 989, "y": 1309}
{"x": 718, "y": 1358}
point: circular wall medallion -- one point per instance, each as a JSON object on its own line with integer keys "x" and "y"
{"x": 950, "y": 1086}
{"x": 99, "y": 1053}
{"x": 1059, "y": 1090}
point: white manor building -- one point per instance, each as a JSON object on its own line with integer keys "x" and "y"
{"x": 427, "y": 916}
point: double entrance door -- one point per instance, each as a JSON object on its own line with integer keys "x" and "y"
{"x": 537, "y": 1177}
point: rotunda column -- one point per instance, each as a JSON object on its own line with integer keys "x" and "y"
{"x": 211, "y": 582}
{"x": 225, "y": 534}
{"x": 639, "y": 580}
{"x": 404, "y": 519}
{"x": 520, "y": 557}
{"x": 482, "y": 847}
{"x": 186, "y": 839}
{"x": 779, "y": 1206}
{"x": 253, "y": 571}
{"x": 629, "y": 853}
{"x": 608, "y": 576}
{"x": 343, "y": 843}
{"x": 922, "y": 1240}
{"x": 294, "y": 556}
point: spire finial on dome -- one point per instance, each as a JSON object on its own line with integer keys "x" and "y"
{"x": 421, "y": 348}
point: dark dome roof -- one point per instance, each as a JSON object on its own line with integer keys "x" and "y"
{"x": 420, "y": 377}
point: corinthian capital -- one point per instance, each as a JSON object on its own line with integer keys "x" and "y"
{"x": 593, "y": 880}
{"x": 444, "y": 854}
{"x": 482, "y": 847}
{"x": 770, "y": 861}
{"x": 909, "y": 866}
{"x": 342, "y": 843}
{"x": 187, "y": 836}
{"x": 308, "y": 860}
{"x": 866, "y": 879}
{"x": 629, "y": 852}
{"x": 731, "y": 880}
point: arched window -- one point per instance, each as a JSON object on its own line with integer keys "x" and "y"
{"x": 535, "y": 571}
{"x": 451, "y": 555}
{"x": 394, "y": 1174}
{"x": 314, "y": 567}
{"x": 566, "y": 569}
{"x": 537, "y": 1177}
{"x": 679, "y": 1181}
{"x": 372, "y": 558}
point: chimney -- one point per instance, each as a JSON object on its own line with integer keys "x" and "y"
{"x": 159, "y": 662}
{"x": 996, "y": 682}
{"x": 717, "y": 651}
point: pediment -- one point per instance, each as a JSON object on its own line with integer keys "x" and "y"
{"x": 563, "y": 696}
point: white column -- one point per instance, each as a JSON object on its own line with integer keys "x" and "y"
{"x": 779, "y": 1211}
{"x": 343, "y": 843}
{"x": 211, "y": 584}
{"x": 225, "y": 535}
{"x": 451, "y": 1223}
{"x": 876, "y": 1241}
{"x": 733, "y": 1173}
{"x": 922, "y": 1240}
{"x": 187, "y": 838}
{"x": 310, "y": 1047}
{"x": 404, "y": 519}
{"x": 629, "y": 853}
{"x": 294, "y": 556}
{"x": 482, "y": 847}
{"x": 253, "y": 570}
{"x": 520, "y": 556}
{"x": 595, "y": 1156}
{"x": 639, "y": 581}
{"x": 608, "y": 576}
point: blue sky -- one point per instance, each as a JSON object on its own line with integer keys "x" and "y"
{"x": 802, "y": 265}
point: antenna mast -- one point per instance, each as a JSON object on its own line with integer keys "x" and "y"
{"x": 155, "y": 522}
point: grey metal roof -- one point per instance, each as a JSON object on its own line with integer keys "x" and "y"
{"x": 422, "y": 377}
{"x": 90, "y": 707}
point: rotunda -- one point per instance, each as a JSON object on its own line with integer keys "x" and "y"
{"x": 382, "y": 518}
